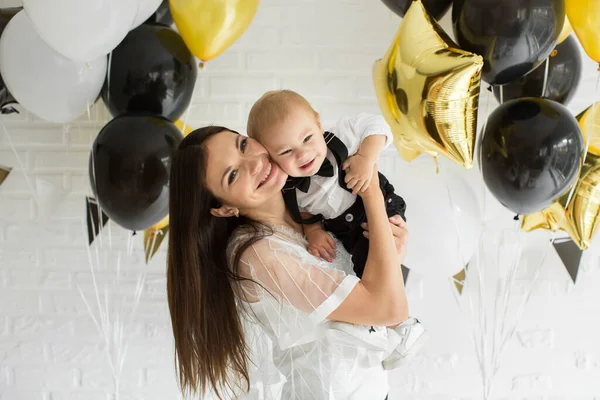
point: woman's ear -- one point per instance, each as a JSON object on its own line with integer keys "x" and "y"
{"x": 225, "y": 212}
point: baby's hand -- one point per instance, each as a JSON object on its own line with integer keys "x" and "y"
{"x": 359, "y": 171}
{"x": 320, "y": 244}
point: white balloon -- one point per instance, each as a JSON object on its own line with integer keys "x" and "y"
{"x": 82, "y": 30}
{"x": 145, "y": 10}
{"x": 442, "y": 215}
{"x": 48, "y": 197}
{"x": 43, "y": 81}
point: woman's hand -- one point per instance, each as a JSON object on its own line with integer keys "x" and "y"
{"x": 399, "y": 231}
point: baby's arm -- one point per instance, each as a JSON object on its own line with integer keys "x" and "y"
{"x": 365, "y": 136}
{"x": 320, "y": 243}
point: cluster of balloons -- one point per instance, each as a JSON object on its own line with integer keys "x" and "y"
{"x": 62, "y": 45}
{"x": 533, "y": 154}
{"x": 58, "y": 57}
{"x": 531, "y": 148}
{"x": 44, "y": 81}
{"x": 150, "y": 83}
{"x": 428, "y": 90}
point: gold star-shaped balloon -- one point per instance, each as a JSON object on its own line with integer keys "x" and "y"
{"x": 428, "y": 90}
{"x": 154, "y": 235}
{"x": 579, "y": 216}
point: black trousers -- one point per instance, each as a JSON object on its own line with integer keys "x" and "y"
{"x": 347, "y": 227}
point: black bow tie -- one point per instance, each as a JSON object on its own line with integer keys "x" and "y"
{"x": 303, "y": 183}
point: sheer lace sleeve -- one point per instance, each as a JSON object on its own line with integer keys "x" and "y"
{"x": 291, "y": 290}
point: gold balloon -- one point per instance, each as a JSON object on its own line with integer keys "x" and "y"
{"x": 184, "y": 128}
{"x": 428, "y": 90}
{"x": 580, "y": 218}
{"x": 584, "y": 16}
{"x": 567, "y": 29}
{"x": 161, "y": 228}
{"x": 589, "y": 122}
{"x": 208, "y": 27}
{"x": 159, "y": 225}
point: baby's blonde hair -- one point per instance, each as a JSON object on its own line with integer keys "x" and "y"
{"x": 272, "y": 108}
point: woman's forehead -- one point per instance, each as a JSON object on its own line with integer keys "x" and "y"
{"x": 221, "y": 141}
{"x": 220, "y": 153}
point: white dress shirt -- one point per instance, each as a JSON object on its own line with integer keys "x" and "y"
{"x": 325, "y": 196}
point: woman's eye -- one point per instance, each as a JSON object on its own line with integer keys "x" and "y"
{"x": 306, "y": 139}
{"x": 243, "y": 145}
{"x": 232, "y": 176}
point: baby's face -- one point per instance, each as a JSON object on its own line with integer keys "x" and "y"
{"x": 296, "y": 144}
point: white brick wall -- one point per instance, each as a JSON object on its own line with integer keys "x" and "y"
{"x": 51, "y": 350}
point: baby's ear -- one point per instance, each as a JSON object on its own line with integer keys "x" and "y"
{"x": 318, "y": 119}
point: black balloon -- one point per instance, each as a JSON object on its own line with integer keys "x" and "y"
{"x": 530, "y": 153}
{"x": 162, "y": 15}
{"x": 6, "y": 99}
{"x": 435, "y": 8}
{"x": 512, "y": 36}
{"x": 562, "y": 77}
{"x": 151, "y": 71}
{"x": 129, "y": 169}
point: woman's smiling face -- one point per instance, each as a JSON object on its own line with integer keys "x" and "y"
{"x": 240, "y": 172}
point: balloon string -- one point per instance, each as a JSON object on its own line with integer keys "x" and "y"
{"x": 21, "y": 166}
{"x": 480, "y": 148}
{"x": 100, "y": 235}
{"x": 108, "y": 76}
{"x": 521, "y": 307}
{"x": 476, "y": 339}
{"x": 114, "y": 319}
{"x": 546, "y": 70}
{"x": 187, "y": 112}
{"x": 481, "y": 344}
{"x": 139, "y": 3}
{"x": 130, "y": 244}
{"x": 559, "y": 225}
{"x": 150, "y": 250}
{"x": 506, "y": 292}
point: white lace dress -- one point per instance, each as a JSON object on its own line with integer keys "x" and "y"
{"x": 296, "y": 352}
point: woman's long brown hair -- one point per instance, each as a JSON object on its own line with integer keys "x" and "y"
{"x": 210, "y": 348}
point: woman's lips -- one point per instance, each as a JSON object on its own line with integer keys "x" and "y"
{"x": 269, "y": 170}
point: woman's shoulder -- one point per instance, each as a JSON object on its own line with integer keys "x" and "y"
{"x": 262, "y": 239}
{"x": 245, "y": 238}
{"x": 248, "y": 234}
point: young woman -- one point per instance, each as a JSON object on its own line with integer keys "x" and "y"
{"x": 236, "y": 257}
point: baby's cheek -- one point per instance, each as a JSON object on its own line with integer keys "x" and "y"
{"x": 285, "y": 163}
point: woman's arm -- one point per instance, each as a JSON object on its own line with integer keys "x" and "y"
{"x": 379, "y": 297}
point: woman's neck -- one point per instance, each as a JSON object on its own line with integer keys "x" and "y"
{"x": 273, "y": 212}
